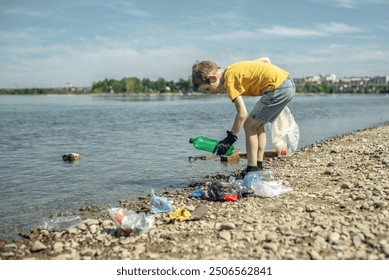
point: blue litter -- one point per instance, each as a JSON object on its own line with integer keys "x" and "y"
{"x": 197, "y": 193}
{"x": 160, "y": 204}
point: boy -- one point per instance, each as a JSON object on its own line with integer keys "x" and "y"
{"x": 247, "y": 78}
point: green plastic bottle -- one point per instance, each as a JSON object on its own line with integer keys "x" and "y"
{"x": 207, "y": 144}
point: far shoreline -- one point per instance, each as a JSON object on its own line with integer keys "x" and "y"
{"x": 181, "y": 94}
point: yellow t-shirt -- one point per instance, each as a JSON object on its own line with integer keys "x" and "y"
{"x": 252, "y": 78}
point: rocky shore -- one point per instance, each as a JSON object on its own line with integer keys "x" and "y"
{"x": 338, "y": 209}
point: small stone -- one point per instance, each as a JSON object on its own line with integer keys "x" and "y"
{"x": 271, "y": 246}
{"x": 108, "y": 224}
{"x": 380, "y": 204}
{"x": 309, "y": 208}
{"x": 315, "y": 255}
{"x": 93, "y": 229}
{"x": 345, "y": 185}
{"x": 90, "y": 222}
{"x": 260, "y": 236}
{"x": 317, "y": 229}
{"x": 73, "y": 230}
{"x": 385, "y": 249}
{"x": 10, "y": 246}
{"x": 100, "y": 237}
{"x": 248, "y": 228}
{"x": 58, "y": 247}
{"x": 139, "y": 249}
{"x": 245, "y": 238}
{"x": 357, "y": 241}
{"x": 333, "y": 237}
{"x": 225, "y": 234}
{"x": 7, "y": 254}
{"x": 125, "y": 241}
{"x": 271, "y": 236}
{"x": 82, "y": 227}
{"x": 37, "y": 246}
{"x": 226, "y": 226}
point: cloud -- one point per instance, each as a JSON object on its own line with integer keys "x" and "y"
{"x": 284, "y": 31}
{"x": 340, "y": 59}
{"x": 356, "y": 53}
{"x": 350, "y": 4}
{"x": 22, "y": 11}
{"x": 83, "y": 65}
{"x": 231, "y": 36}
{"x": 128, "y": 9}
{"x": 137, "y": 13}
{"x": 318, "y": 30}
{"x": 337, "y": 28}
{"x": 278, "y": 30}
{"x": 27, "y": 36}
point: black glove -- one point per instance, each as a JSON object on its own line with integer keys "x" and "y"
{"x": 225, "y": 144}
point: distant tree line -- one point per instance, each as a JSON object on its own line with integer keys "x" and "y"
{"x": 136, "y": 85}
{"x": 338, "y": 88}
{"x": 24, "y": 91}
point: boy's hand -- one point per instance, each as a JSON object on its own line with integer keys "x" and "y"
{"x": 225, "y": 144}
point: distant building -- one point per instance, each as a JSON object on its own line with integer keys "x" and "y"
{"x": 68, "y": 86}
{"x": 354, "y": 81}
{"x": 379, "y": 80}
{"x": 330, "y": 79}
{"x": 313, "y": 80}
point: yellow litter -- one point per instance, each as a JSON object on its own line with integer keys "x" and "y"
{"x": 180, "y": 214}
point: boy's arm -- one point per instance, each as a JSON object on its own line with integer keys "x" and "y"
{"x": 265, "y": 59}
{"x": 241, "y": 115}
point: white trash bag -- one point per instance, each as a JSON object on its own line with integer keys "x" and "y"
{"x": 285, "y": 133}
{"x": 264, "y": 187}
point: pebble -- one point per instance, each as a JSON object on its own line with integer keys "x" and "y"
{"x": 37, "y": 246}
{"x": 225, "y": 235}
{"x": 315, "y": 255}
{"x": 226, "y": 226}
{"x": 333, "y": 237}
{"x": 385, "y": 249}
{"x": 58, "y": 247}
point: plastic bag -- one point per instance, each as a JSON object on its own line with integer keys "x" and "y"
{"x": 160, "y": 204}
{"x": 197, "y": 193}
{"x": 264, "y": 188}
{"x": 223, "y": 191}
{"x": 285, "y": 133}
{"x": 61, "y": 223}
{"x": 131, "y": 222}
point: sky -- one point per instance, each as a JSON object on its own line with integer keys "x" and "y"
{"x": 48, "y": 43}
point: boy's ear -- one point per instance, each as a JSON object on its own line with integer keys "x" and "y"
{"x": 212, "y": 78}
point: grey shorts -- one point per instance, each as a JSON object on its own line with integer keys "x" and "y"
{"x": 273, "y": 102}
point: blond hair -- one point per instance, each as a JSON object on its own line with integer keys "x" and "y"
{"x": 201, "y": 71}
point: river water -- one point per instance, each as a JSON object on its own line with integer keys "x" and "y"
{"x": 131, "y": 145}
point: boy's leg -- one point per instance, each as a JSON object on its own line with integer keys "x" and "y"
{"x": 264, "y": 111}
{"x": 261, "y": 142}
{"x": 251, "y": 128}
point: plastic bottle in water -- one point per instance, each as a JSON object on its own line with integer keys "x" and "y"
{"x": 207, "y": 144}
